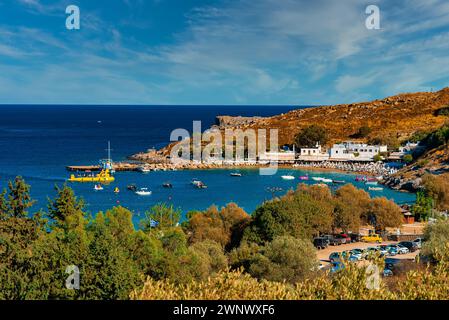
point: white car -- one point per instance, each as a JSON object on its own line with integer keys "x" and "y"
{"x": 418, "y": 242}
{"x": 382, "y": 250}
{"x": 402, "y": 249}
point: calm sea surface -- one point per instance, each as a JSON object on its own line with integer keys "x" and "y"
{"x": 37, "y": 142}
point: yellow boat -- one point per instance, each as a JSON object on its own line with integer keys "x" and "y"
{"x": 104, "y": 176}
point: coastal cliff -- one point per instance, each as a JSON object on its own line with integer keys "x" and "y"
{"x": 398, "y": 116}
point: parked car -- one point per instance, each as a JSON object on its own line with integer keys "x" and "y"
{"x": 337, "y": 266}
{"x": 399, "y": 248}
{"x": 410, "y": 245}
{"x": 335, "y": 256}
{"x": 374, "y": 251}
{"x": 355, "y": 237}
{"x": 372, "y": 238}
{"x": 338, "y": 256}
{"x": 331, "y": 240}
{"x": 342, "y": 239}
{"x": 389, "y": 251}
{"x": 387, "y": 272}
{"x": 362, "y": 252}
{"x": 320, "y": 242}
{"x": 346, "y": 236}
{"x": 402, "y": 249}
{"x": 418, "y": 242}
{"x": 357, "y": 254}
{"x": 383, "y": 250}
{"x": 392, "y": 249}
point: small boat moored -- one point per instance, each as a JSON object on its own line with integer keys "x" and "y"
{"x": 199, "y": 184}
{"x": 132, "y": 187}
{"x": 116, "y": 190}
{"x": 143, "y": 192}
{"x": 144, "y": 169}
{"x": 98, "y": 187}
{"x": 235, "y": 174}
{"x": 167, "y": 185}
{"x": 338, "y": 181}
{"x": 304, "y": 178}
{"x": 375, "y": 189}
{"x": 288, "y": 177}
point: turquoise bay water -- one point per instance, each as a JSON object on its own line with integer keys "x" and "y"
{"x": 37, "y": 142}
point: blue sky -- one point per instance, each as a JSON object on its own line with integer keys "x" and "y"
{"x": 220, "y": 51}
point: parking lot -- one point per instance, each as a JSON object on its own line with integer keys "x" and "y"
{"x": 323, "y": 255}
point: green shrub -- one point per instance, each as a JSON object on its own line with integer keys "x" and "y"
{"x": 311, "y": 135}
{"x": 408, "y": 158}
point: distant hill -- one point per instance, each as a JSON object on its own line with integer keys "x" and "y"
{"x": 399, "y": 116}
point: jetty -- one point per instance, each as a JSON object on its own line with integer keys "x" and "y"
{"x": 117, "y": 166}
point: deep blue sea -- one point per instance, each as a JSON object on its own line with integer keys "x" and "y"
{"x": 37, "y": 142}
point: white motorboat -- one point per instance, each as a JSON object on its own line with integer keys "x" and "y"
{"x": 144, "y": 169}
{"x": 235, "y": 174}
{"x": 98, "y": 187}
{"x": 317, "y": 178}
{"x": 199, "y": 184}
{"x": 327, "y": 180}
{"x": 288, "y": 177}
{"x": 375, "y": 188}
{"x": 143, "y": 192}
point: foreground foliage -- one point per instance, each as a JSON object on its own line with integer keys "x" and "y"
{"x": 348, "y": 284}
{"x": 220, "y": 253}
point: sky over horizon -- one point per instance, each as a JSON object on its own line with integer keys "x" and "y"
{"x": 267, "y": 52}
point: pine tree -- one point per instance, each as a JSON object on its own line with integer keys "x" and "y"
{"x": 19, "y": 199}
{"x": 66, "y": 210}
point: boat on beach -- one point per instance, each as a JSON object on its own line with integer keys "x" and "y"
{"x": 143, "y": 192}
{"x": 288, "y": 177}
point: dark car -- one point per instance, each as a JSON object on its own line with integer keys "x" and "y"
{"x": 320, "y": 242}
{"x": 332, "y": 240}
{"x": 410, "y": 245}
{"x": 355, "y": 237}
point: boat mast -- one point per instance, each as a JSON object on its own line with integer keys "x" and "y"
{"x": 109, "y": 151}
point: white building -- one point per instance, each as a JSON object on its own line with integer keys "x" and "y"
{"x": 408, "y": 148}
{"x": 350, "y": 151}
{"x": 313, "y": 154}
